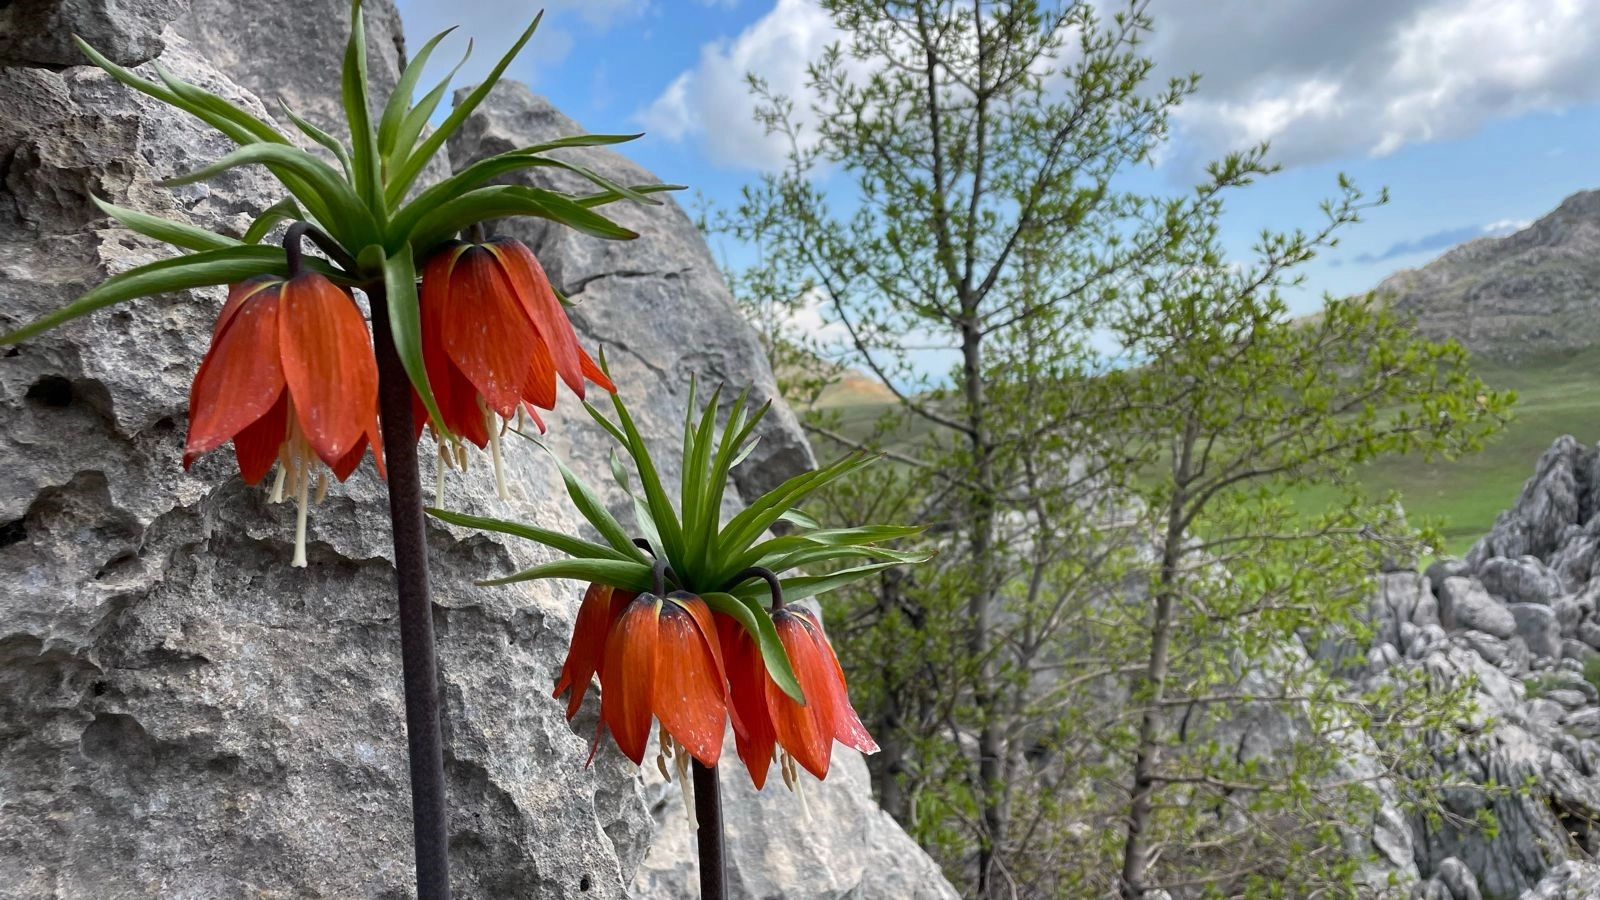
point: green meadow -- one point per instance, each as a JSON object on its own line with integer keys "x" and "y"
{"x": 1557, "y": 394}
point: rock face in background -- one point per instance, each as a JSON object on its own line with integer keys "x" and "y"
{"x": 183, "y": 715}
{"x": 1516, "y": 615}
{"x": 1532, "y": 291}
{"x": 295, "y": 55}
{"x": 39, "y": 32}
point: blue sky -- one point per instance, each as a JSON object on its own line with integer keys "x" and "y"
{"x": 1478, "y": 115}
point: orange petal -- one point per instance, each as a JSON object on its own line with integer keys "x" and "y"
{"x": 328, "y": 363}
{"x": 433, "y": 300}
{"x": 690, "y": 691}
{"x": 847, "y": 726}
{"x": 627, "y": 674}
{"x": 237, "y": 295}
{"x": 587, "y": 650}
{"x": 486, "y": 331}
{"x": 593, "y": 372}
{"x": 531, "y": 286}
{"x": 805, "y": 731}
{"x": 240, "y": 378}
{"x": 256, "y": 446}
{"x": 539, "y": 389}
{"x": 747, "y": 701}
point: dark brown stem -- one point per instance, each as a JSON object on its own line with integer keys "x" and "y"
{"x": 429, "y": 815}
{"x": 708, "y": 832}
{"x": 773, "y": 585}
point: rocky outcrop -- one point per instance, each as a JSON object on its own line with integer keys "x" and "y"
{"x": 183, "y": 715}
{"x": 1534, "y": 291}
{"x": 1512, "y": 617}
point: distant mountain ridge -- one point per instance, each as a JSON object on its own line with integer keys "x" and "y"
{"x": 1534, "y": 291}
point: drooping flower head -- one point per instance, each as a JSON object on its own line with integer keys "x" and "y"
{"x": 495, "y": 339}
{"x": 290, "y": 378}
{"x": 709, "y": 651}
{"x": 767, "y": 716}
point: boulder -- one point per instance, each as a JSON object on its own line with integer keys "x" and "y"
{"x": 1464, "y": 604}
{"x": 1568, "y": 881}
{"x": 1538, "y": 628}
{"x": 39, "y": 32}
{"x": 1521, "y": 580}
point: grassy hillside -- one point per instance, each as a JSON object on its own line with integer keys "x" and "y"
{"x": 1558, "y": 393}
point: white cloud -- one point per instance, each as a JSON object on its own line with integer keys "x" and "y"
{"x": 1506, "y": 226}
{"x": 712, "y": 101}
{"x": 1323, "y": 80}
{"x": 1319, "y": 79}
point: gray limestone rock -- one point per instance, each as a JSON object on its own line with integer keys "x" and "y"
{"x": 1538, "y": 628}
{"x": 1550, "y": 501}
{"x": 39, "y": 32}
{"x": 1464, "y": 604}
{"x": 1568, "y": 881}
{"x": 296, "y": 55}
{"x": 183, "y": 714}
{"x": 835, "y": 842}
{"x": 1521, "y": 580}
{"x": 1589, "y": 633}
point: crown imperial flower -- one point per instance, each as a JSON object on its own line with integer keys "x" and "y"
{"x": 290, "y": 378}
{"x": 494, "y": 340}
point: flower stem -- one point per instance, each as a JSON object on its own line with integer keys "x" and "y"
{"x": 429, "y": 815}
{"x": 708, "y": 832}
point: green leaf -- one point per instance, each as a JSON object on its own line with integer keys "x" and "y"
{"x": 412, "y": 125}
{"x": 588, "y": 201}
{"x": 661, "y": 511}
{"x": 367, "y": 170}
{"x": 502, "y": 200}
{"x": 759, "y": 624}
{"x": 405, "y": 324}
{"x": 347, "y": 218}
{"x": 595, "y": 512}
{"x": 697, "y": 476}
{"x": 394, "y": 112}
{"x": 415, "y": 163}
{"x": 327, "y": 140}
{"x": 632, "y": 576}
{"x": 203, "y": 269}
{"x": 767, "y": 509}
{"x": 284, "y": 210}
{"x": 803, "y": 586}
{"x": 177, "y": 234}
{"x": 799, "y": 517}
{"x": 582, "y": 140}
{"x": 232, "y": 130}
{"x": 206, "y": 105}
{"x": 554, "y": 539}
{"x": 641, "y": 513}
{"x": 486, "y": 170}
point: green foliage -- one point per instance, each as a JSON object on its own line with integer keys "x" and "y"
{"x": 1129, "y": 620}
{"x": 705, "y": 557}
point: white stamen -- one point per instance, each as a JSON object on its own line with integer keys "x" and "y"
{"x": 494, "y": 453}
{"x": 438, "y": 477}
{"x": 322, "y": 488}
{"x": 302, "y": 484}
{"x": 276, "y": 495}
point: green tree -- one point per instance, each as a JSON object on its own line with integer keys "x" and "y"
{"x": 1122, "y": 579}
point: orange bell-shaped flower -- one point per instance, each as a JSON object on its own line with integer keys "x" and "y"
{"x": 602, "y": 606}
{"x": 662, "y": 660}
{"x": 766, "y": 716}
{"x": 290, "y": 378}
